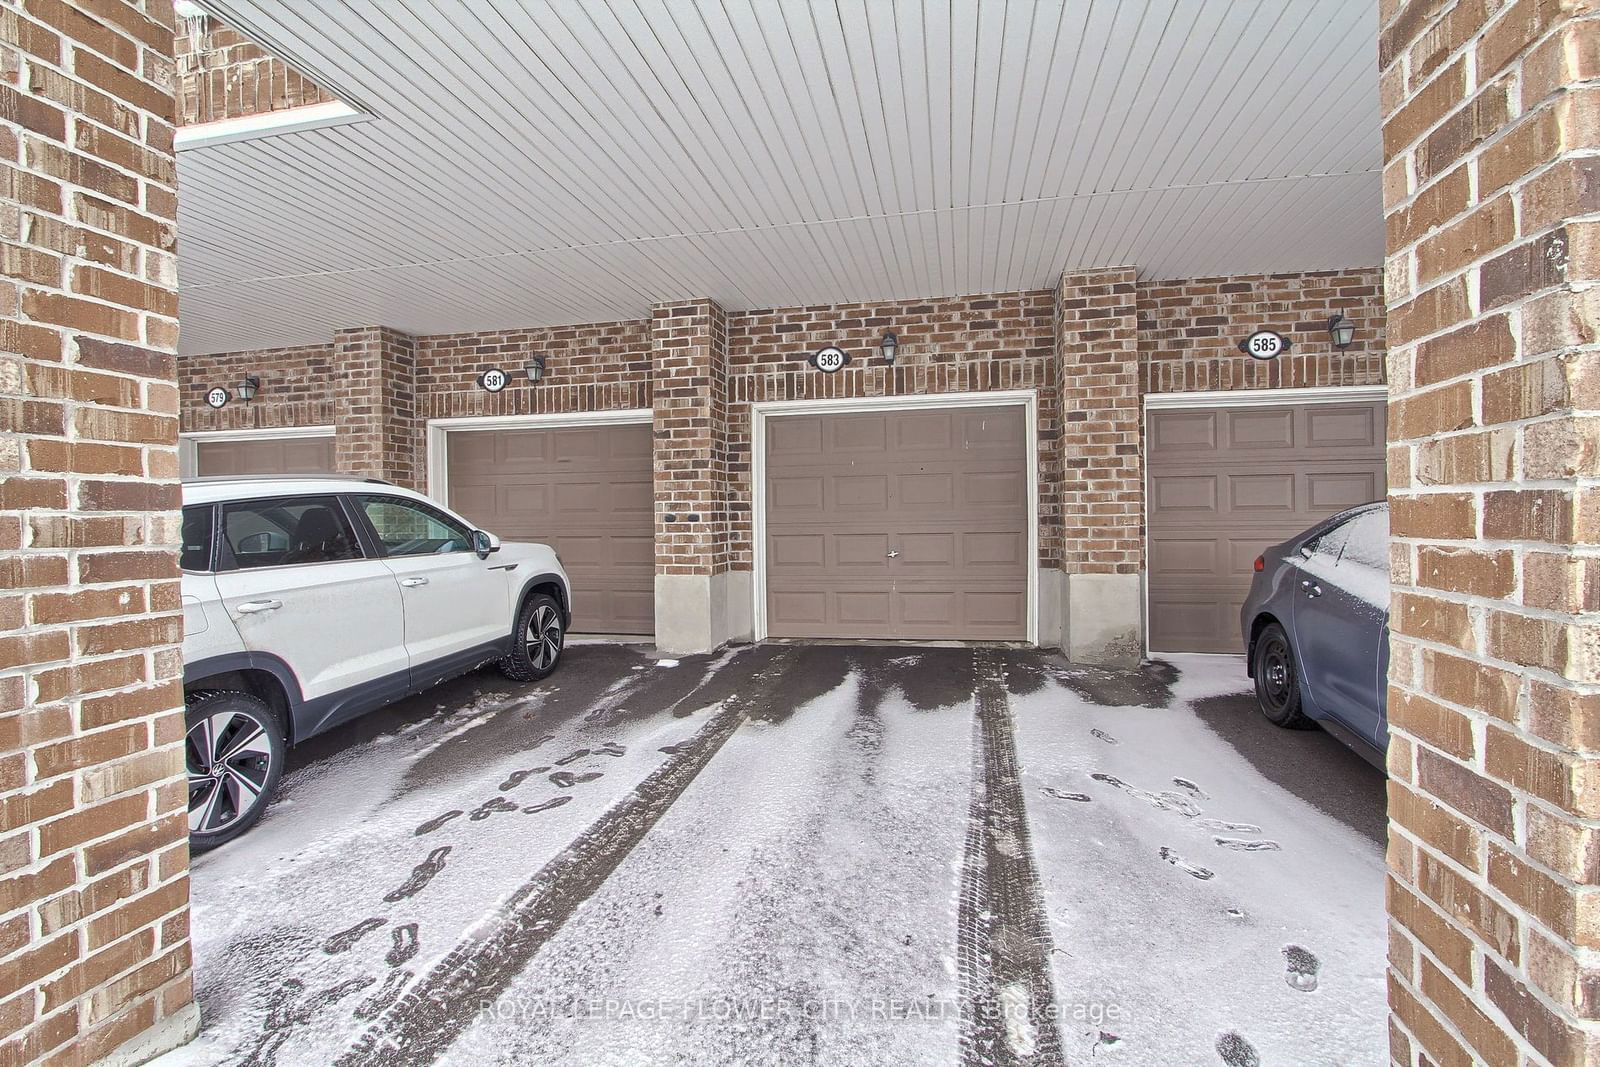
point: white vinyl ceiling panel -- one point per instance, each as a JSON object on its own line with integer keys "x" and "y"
{"x": 535, "y": 162}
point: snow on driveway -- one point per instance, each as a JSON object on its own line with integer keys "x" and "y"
{"x": 761, "y": 859}
{"x": 1200, "y": 913}
{"x": 797, "y": 904}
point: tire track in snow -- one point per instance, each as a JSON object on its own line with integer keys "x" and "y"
{"x": 428, "y": 1018}
{"x": 1003, "y": 937}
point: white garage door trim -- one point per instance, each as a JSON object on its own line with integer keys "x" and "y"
{"x": 1231, "y": 398}
{"x": 189, "y": 442}
{"x": 439, "y": 430}
{"x": 761, "y": 412}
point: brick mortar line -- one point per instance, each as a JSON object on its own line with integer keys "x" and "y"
{"x": 1443, "y": 1019}
{"x": 437, "y": 1009}
{"x": 1480, "y": 881}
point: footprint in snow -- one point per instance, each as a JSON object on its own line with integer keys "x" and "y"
{"x": 1061, "y": 794}
{"x": 566, "y": 779}
{"x": 1102, "y": 735}
{"x": 673, "y": 750}
{"x": 405, "y": 945}
{"x": 1193, "y": 790}
{"x": 1241, "y": 845}
{"x": 386, "y": 995}
{"x": 572, "y": 757}
{"x": 437, "y": 821}
{"x": 553, "y": 802}
{"x": 611, "y": 748}
{"x": 490, "y": 806}
{"x": 514, "y": 779}
{"x": 1236, "y": 1051}
{"x": 344, "y": 940}
{"x": 1302, "y": 968}
{"x": 1202, "y": 873}
{"x": 1165, "y": 800}
{"x": 1225, "y": 827}
{"x": 420, "y": 876}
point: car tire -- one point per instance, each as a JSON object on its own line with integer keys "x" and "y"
{"x": 538, "y": 640}
{"x": 234, "y": 749}
{"x": 1277, "y": 677}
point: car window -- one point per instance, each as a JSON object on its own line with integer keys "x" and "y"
{"x": 195, "y": 555}
{"x": 1325, "y": 548}
{"x": 288, "y": 531}
{"x": 409, "y": 528}
{"x": 1366, "y": 542}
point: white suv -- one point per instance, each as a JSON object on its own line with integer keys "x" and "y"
{"x": 308, "y": 601}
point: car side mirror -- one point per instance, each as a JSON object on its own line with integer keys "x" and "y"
{"x": 484, "y": 542}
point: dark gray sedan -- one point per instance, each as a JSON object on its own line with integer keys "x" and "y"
{"x": 1316, "y": 629}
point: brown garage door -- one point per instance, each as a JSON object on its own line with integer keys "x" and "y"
{"x": 583, "y": 490}
{"x": 294, "y": 455}
{"x": 898, "y": 524}
{"x": 1226, "y": 483}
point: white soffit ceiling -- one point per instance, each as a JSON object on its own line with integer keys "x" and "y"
{"x": 539, "y": 162}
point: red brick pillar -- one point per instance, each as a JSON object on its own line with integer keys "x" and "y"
{"x": 689, "y": 384}
{"x": 375, "y": 405}
{"x": 1492, "y": 121}
{"x": 1101, "y": 492}
{"x": 94, "y": 888}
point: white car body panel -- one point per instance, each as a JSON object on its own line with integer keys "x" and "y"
{"x": 338, "y": 624}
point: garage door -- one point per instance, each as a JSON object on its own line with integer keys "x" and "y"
{"x": 583, "y": 490}
{"x": 268, "y": 455}
{"x": 898, "y": 524}
{"x": 1226, "y": 483}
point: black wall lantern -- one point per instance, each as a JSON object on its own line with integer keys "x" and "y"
{"x": 534, "y": 368}
{"x": 247, "y": 387}
{"x": 889, "y": 346}
{"x": 1342, "y": 331}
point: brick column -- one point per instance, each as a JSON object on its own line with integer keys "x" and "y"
{"x": 689, "y": 346}
{"x": 375, "y": 405}
{"x": 1101, "y": 491}
{"x": 94, "y": 888}
{"x": 1492, "y": 121}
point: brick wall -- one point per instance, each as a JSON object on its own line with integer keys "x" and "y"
{"x": 374, "y": 404}
{"x": 222, "y": 75}
{"x": 1492, "y": 121}
{"x": 1189, "y": 331}
{"x": 689, "y": 347}
{"x": 94, "y": 938}
{"x": 296, "y": 389}
{"x": 1102, "y": 488}
{"x": 1186, "y": 339}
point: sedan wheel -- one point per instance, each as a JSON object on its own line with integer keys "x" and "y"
{"x": 1278, "y": 680}
{"x": 234, "y": 755}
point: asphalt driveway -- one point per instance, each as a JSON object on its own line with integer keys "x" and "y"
{"x": 806, "y": 854}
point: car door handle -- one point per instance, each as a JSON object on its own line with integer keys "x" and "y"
{"x": 412, "y": 583}
{"x": 251, "y": 607}
{"x": 1312, "y": 588}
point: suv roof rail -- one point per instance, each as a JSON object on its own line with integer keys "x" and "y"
{"x": 218, "y": 479}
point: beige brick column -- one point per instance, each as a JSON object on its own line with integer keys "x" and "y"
{"x": 1491, "y": 192}
{"x": 375, "y": 405}
{"x": 1101, "y": 493}
{"x": 94, "y": 888}
{"x": 689, "y": 386}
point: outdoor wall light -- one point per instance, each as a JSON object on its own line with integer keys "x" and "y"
{"x": 534, "y": 368}
{"x": 247, "y": 387}
{"x": 1342, "y": 330}
{"x": 888, "y": 346}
